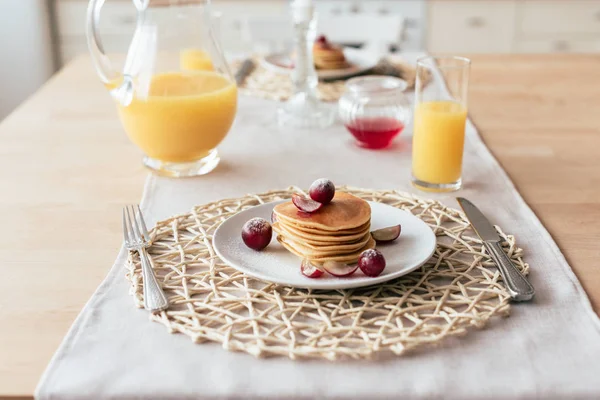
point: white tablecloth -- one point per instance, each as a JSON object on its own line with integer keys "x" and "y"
{"x": 548, "y": 348}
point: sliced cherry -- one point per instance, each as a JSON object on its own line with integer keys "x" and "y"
{"x": 322, "y": 190}
{"x": 339, "y": 269}
{"x": 388, "y": 234}
{"x": 371, "y": 262}
{"x": 304, "y": 204}
{"x": 309, "y": 270}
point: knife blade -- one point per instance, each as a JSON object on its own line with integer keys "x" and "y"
{"x": 518, "y": 286}
{"x": 245, "y": 69}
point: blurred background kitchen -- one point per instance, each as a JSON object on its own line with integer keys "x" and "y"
{"x": 40, "y": 36}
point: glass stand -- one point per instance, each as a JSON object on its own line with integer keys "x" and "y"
{"x": 303, "y": 109}
{"x": 184, "y": 169}
{"x": 436, "y": 187}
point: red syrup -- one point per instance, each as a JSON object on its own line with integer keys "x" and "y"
{"x": 375, "y": 133}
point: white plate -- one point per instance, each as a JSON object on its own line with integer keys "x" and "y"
{"x": 359, "y": 61}
{"x": 275, "y": 264}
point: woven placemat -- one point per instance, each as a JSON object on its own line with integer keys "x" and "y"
{"x": 268, "y": 84}
{"x": 458, "y": 288}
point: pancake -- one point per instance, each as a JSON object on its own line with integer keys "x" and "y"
{"x": 318, "y": 239}
{"x": 343, "y": 213}
{"x": 327, "y": 56}
{"x": 339, "y": 231}
{"x": 349, "y": 258}
{"x": 331, "y": 249}
{"x": 319, "y": 232}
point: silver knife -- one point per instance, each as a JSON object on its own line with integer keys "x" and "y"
{"x": 245, "y": 69}
{"x": 518, "y": 287}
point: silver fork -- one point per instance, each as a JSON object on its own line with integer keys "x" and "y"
{"x": 137, "y": 238}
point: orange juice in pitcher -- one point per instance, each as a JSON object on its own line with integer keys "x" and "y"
{"x": 176, "y": 97}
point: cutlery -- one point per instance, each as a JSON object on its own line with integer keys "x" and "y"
{"x": 245, "y": 69}
{"x": 518, "y": 287}
{"x": 137, "y": 239}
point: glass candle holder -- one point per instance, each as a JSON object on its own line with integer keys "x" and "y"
{"x": 303, "y": 109}
{"x": 439, "y": 126}
{"x": 375, "y": 110}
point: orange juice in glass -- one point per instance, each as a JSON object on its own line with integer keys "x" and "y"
{"x": 439, "y": 123}
{"x": 176, "y": 97}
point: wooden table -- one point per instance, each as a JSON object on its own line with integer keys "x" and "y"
{"x": 67, "y": 168}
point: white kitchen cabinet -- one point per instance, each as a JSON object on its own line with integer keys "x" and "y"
{"x": 413, "y": 11}
{"x": 558, "y": 26}
{"x": 551, "y": 17}
{"x": 234, "y": 13}
{"x": 483, "y": 26}
{"x": 117, "y": 24}
{"x": 116, "y": 18}
{"x": 439, "y": 26}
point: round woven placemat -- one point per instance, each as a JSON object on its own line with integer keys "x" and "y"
{"x": 456, "y": 289}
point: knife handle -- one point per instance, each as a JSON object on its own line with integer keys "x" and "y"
{"x": 519, "y": 288}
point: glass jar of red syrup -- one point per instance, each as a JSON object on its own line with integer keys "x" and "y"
{"x": 374, "y": 109}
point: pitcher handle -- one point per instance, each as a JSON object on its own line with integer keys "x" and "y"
{"x": 108, "y": 75}
{"x": 119, "y": 84}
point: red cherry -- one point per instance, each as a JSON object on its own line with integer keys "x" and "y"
{"x": 257, "y": 233}
{"x": 321, "y": 39}
{"x": 309, "y": 270}
{"x": 322, "y": 190}
{"x": 371, "y": 262}
{"x": 304, "y": 204}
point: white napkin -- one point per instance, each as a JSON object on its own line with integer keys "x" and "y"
{"x": 548, "y": 348}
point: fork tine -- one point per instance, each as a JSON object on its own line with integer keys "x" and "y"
{"x": 136, "y": 228}
{"x": 143, "y": 223}
{"x": 126, "y": 234}
{"x": 132, "y": 231}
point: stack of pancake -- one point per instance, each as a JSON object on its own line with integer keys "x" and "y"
{"x": 339, "y": 231}
{"x": 327, "y": 56}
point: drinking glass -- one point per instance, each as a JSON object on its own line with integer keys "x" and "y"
{"x": 439, "y": 123}
{"x": 175, "y": 96}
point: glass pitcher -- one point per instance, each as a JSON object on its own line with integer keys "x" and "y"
{"x": 176, "y": 97}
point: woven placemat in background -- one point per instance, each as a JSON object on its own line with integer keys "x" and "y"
{"x": 268, "y": 84}
{"x": 457, "y": 289}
